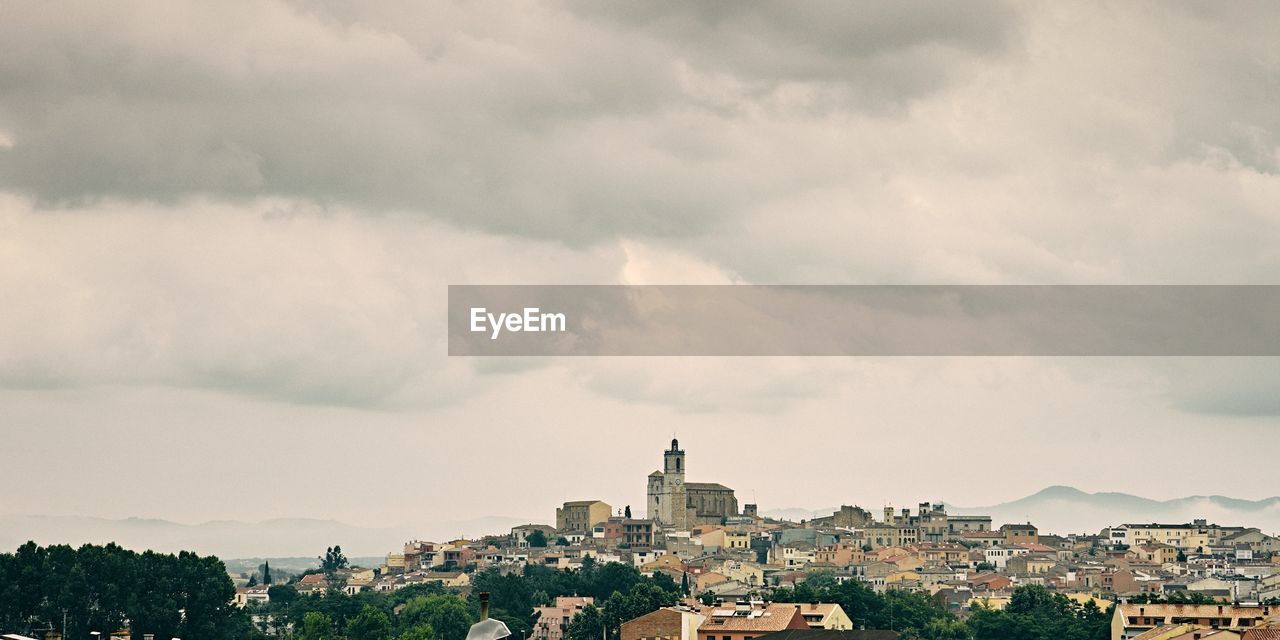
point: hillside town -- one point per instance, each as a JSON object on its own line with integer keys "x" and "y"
{"x": 1166, "y": 580}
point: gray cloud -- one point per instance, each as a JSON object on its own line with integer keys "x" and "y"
{"x": 541, "y": 123}
{"x": 234, "y": 222}
{"x": 1239, "y": 387}
{"x": 876, "y": 55}
{"x": 265, "y": 300}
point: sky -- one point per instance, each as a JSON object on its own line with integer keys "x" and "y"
{"x": 227, "y": 229}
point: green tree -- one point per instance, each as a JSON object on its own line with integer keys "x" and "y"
{"x": 266, "y": 573}
{"x": 908, "y": 611}
{"x": 946, "y": 629}
{"x": 536, "y": 539}
{"x": 333, "y": 559}
{"x": 1035, "y": 613}
{"x": 448, "y": 615}
{"x": 588, "y": 624}
{"x": 821, "y": 580}
{"x": 371, "y": 624}
{"x": 418, "y": 632}
{"x": 282, "y": 594}
{"x": 316, "y": 626}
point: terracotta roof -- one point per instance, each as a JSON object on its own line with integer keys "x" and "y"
{"x": 774, "y": 617}
{"x": 1188, "y": 610}
{"x": 1198, "y": 634}
{"x": 830, "y": 634}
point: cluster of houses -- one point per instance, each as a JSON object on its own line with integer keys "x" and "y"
{"x": 691, "y": 620}
{"x": 734, "y": 559}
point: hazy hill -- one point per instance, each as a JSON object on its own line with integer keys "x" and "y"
{"x": 282, "y": 537}
{"x": 1068, "y": 510}
{"x": 1055, "y": 509}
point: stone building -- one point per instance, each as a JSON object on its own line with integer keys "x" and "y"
{"x": 682, "y": 505}
{"x": 581, "y": 515}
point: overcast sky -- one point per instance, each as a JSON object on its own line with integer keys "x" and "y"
{"x": 226, "y": 230}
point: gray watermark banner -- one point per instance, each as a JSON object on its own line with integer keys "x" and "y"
{"x": 801, "y": 320}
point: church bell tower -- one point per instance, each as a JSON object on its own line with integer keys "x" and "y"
{"x": 673, "y": 467}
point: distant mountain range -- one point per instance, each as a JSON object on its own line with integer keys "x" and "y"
{"x": 1055, "y": 509}
{"x": 1068, "y": 510}
{"x": 281, "y": 537}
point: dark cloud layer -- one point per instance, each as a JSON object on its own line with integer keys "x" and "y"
{"x": 541, "y": 123}
{"x": 878, "y": 54}
{"x": 226, "y": 228}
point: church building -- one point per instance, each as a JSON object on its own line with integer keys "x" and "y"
{"x": 682, "y": 505}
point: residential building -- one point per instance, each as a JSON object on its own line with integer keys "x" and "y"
{"x": 581, "y": 515}
{"x": 825, "y": 616}
{"x": 668, "y": 623}
{"x": 553, "y": 620}
{"x": 1194, "y": 535}
{"x": 1130, "y": 620}
{"x": 520, "y": 534}
{"x": 1020, "y": 534}
{"x": 750, "y": 621}
{"x": 958, "y": 525}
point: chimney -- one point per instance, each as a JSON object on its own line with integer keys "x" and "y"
{"x": 484, "y": 605}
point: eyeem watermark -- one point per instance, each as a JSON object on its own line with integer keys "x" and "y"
{"x": 865, "y": 320}
{"x": 528, "y": 320}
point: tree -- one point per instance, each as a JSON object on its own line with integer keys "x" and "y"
{"x": 911, "y": 611}
{"x": 536, "y": 539}
{"x": 266, "y": 572}
{"x": 316, "y": 626}
{"x": 562, "y": 541}
{"x": 540, "y": 599}
{"x": 371, "y": 624}
{"x": 1036, "y": 613}
{"x": 333, "y": 559}
{"x": 282, "y": 594}
{"x": 821, "y": 580}
{"x": 448, "y": 615}
{"x": 946, "y": 629}
{"x": 253, "y": 581}
{"x": 588, "y": 624}
{"x": 95, "y": 587}
{"x": 418, "y": 632}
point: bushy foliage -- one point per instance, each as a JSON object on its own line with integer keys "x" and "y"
{"x": 1034, "y": 613}
{"x": 99, "y": 588}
